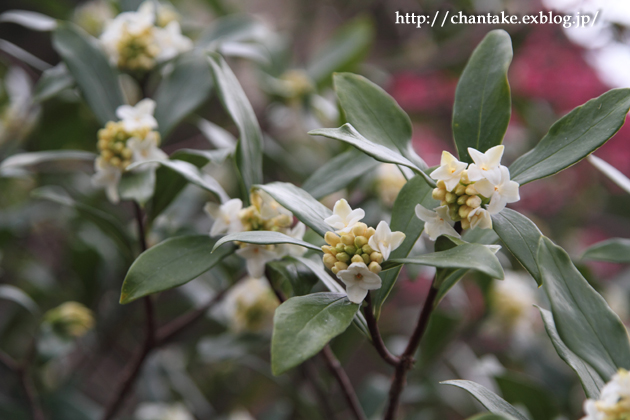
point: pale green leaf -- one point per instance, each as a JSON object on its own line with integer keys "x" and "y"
{"x": 611, "y": 172}
{"x": 18, "y": 164}
{"x": 31, "y": 20}
{"x": 17, "y": 295}
{"x": 264, "y": 237}
{"x": 53, "y": 81}
{"x": 488, "y": 399}
{"x": 615, "y": 250}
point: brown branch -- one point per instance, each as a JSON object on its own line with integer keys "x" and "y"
{"x": 406, "y": 359}
{"x": 22, "y": 371}
{"x": 344, "y": 382}
{"x": 377, "y": 340}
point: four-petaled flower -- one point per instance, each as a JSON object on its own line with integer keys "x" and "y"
{"x": 486, "y": 164}
{"x": 480, "y": 218}
{"x": 226, "y": 217}
{"x": 256, "y": 256}
{"x": 139, "y": 116}
{"x": 358, "y": 280}
{"x": 436, "y": 222}
{"x": 344, "y": 218}
{"x": 503, "y": 192}
{"x": 146, "y": 149}
{"x": 297, "y": 232}
{"x": 384, "y": 240}
{"x": 450, "y": 170}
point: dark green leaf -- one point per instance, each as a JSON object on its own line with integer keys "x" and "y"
{"x": 265, "y": 237}
{"x": 520, "y": 235}
{"x": 53, "y": 81}
{"x": 169, "y": 264}
{"x": 612, "y": 250}
{"x": 482, "y": 108}
{"x": 574, "y": 136}
{"x": 91, "y": 70}
{"x": 489, "y": 399}
{"x": 295, "y": 273}
{"x": 584, "y": 321}
{"x": 303, "y": 325}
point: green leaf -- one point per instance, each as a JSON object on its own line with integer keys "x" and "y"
{"x": 17, "y": 164}
{"x": 520, "y": 235}
{"x": 183, "y": 90}
{"x": 338, "y": 173}
{"x": 217, "y": 156}
{"x": 348, "y": 134}
{"x": 169, "y": 264}
{"x": 520, "y": 390}
{"x": 91, "y": 70}
{"x": 266, "y": 237}
{"x": 376, "y": 115}
{"x": 235, "y": 27}
{"x": 342, "y": 52}
{"x": 303, "y": 325}
{"x": 611, "y": 172}
{"x": 574, "y": 136}
{"x": 308, "y": 210}
{"x": 415, "y": 191}
{"x": 615, "y": 250}
{"x": 249, "y": 147}
{"x": 584, "y": 321}
{"x": 590, "y": 379}
{"x": 470, "y": 256}
{"x": 482, "y": 108}
{"x": 191, "y": 173}
{"x": 53, "y": 81}
{"x": 137, "y": 186}
{"x": 17, "y": 295}
{"x": 107, "y": 223}
{"x": 488, "y": 399}
{"x": 31, "y": 20}
{"x": 295, "y": 273}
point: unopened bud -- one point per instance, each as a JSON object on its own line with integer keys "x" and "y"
{"x": 341, "y": 266}
{"x": 360, "y": 241}
{"x": 463, "y": 211}
{"x": 342, "y": 256}
{"x": 465, "y": 224}
{"x": 464, "y": 177}
{"x": 328, "y": 249}
{"x": 283, "y": 220}
{"x": 367, "y": 249}
{"x": 118, "y": 147}
{"x": 450, "y": 198}
{"x": 329, "y": 260}
{"x": 371, "y": 231}
{"x": 473, "y": 202}
{"x": 376, "y": 257}
{"x": 70, "y": 319}
{"x": 438, "y": 194}
{"x": 357, "y": 259}
{"x": 335, "y": 270}
{"x": 462, "y": 199}
{"x": 366, "y": 259}
{"x": 375, "y": 267}
{"x": 340, "y": 247}
{"x": 126, "y": 153}
{"x": 359, "y": 229}
{"x": 115, "y": 161}
{"x": 350, "y": 249}
{"x": 331, "y": 238}
{"x": 471, "y": 190}
{"x": 459, "y": 190}
{"x": 454, "y": 214}
{"x": 441, "y": 184}
{"x": 347, "y": 239}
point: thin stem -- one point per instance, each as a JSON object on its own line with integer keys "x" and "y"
{"x": 309, "y": 372}
{"x": 377, "y": 340}
{"x": 406, "y": 359}
{"x": 22, "y": 371}
{"x": 140, "y": 222}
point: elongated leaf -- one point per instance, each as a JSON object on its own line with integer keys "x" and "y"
{"x": 23, "y": 55}
{"x": 192, "y": 174}
{"x": 27, "y": 161}
{"x": 308, "y": 210}
{"x": 303, "y": 325}
{"x": 183, "y": 90}
{"x": 53, "y": 81}
{"x": 249, "y": 147}
{"x": 520, "y": 235}
{"x": 375, "y": 114}
{"x": 217, "y": 156}
{"x": 218, "y": 136}
{"x": 343, "y": 51}
{"x": 169, "y": 264}
{"x": 612, "y": 250}
{"x": 611, "y": 172}
{"x": 235, "y": 27}
{"x": 348, "y": 134}
{"x": 107, "y": 223}
{"x": 17, "y": 295}
{"x": 291, "y": 270}
{"x": 31, "y": 20}
{"x": 91, "y": 70}
{"x": 584, "y": 321}
{"x": 263, "y": 237}
{"x": 488, "y": 399}
{"x": 590, "y": 379}
{"x": 520, "y": 390}
{"x": 470, "y": 256}
{"x": 415, "y": 191}
{"x": 482, "y": 108}
{"x": 338, "y": 173}
{"x": 574, "y": 136}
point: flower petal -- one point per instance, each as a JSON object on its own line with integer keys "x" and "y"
{"x": 494, "y": 155}
{"x": 425, "y": 214}
{"x": 356, "y": 293}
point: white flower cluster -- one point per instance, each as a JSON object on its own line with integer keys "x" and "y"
{"x": 121, "y": 143}
{"x": 464, "y": 190}
{"x": 355, "y": 251}
{"x": 614, "y": 401}
{"x": 264, "y": 214}
{"x": 249, "y": 306}
{"x": 136, "y": 41}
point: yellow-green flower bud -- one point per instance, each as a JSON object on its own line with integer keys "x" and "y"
{"x": 464, "y": 177}
{"x": 357, "y": 259}
{"x": 342, "y": 256}
{"x": 459, "y": 190}
{"x": 465, "y": 224}
{"x": 462, "y": 199}
{"x": 332, "y": 238}
{"x": 350, "y": 249}
{"x": 335, "y": 270}
{"x": 367, "y": 249}
{"x": 375, "y": 267}
{"x": 340, "y": 247}
{"x": 473, "y": 202}
{"x": 450, "y": 198}
{"x": 360, "y": 241}
{"x": 470, "y": 190}
{"x": 454, "y": 214}
{"x": 341, "y": 266}
{"x": 441, "y": 184}
{"x": 371, "y": 231}
{"x": 463, "y": 211}
{"x": 283, "y": 220}
{"x": 70, "y": 319}
{"x": 328, "y": 249}
{"x": 329, "y": 260}
{"x": 359, "y": 229}
{"x": 347, "y": 239}
{"x": 438, "y": 194}
{"x": 376, "y": 257}
{"x": 366, "y": 259}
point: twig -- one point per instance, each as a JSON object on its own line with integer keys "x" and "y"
{"x": 344, "y": 382}
{"x": 22, "y": 371}
{"x": 377, "y": 340}
{"x": 406, "y": 359}
{"x": 309, "y": 372}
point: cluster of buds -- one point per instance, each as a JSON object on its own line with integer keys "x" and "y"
{"x": 250, "y": 306}
{"x": 351, "y": 247}
{"x": 296, "y": 84}
{"x": 112, "y": 143}
{"x": 70, "y": 320}
{"x": 137, "y": 50}
{"x": 614, "y": 400}
{"x": 468, "y": 194}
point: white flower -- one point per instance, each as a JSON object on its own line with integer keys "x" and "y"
{"x": 486, "y": 164}
{"x": 267, "y": 206}
{"x": 256, "y": 257}
{"x": 225, "y": 217}
{"x": 480, "y": 218}
{"x": 297, "y": 232}
{"x": 614, "y": 401}
{"x": 389, "y": 182}
{"x": 358, "y": 280}
{"x": 146, "y": 149}
{"x": 139, "y": 116}
{"x": 162, "y": 411}
{"x": 450, "y": 170}
{"x": 132, "y": 23}
{"x": 344, "y": 218}
{"x": 171, "y": 41}
{"x": 107, "y": 176}
{"x": 436, "y": 222}
{"x": 384, "y": 240}
{"x": 503, "y": 192}
{"x": 250, "y": 305}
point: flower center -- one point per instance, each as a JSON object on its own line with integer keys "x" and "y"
{"x": 359, "y": 276}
